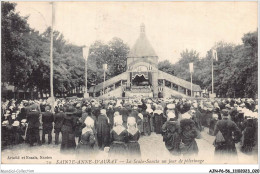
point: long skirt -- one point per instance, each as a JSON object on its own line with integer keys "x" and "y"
{"x": 158, "y": 124}
{"x": 147, "y": 128}
{"x": 68, "y": 143}
{"x": 134, "y": 150}
{"x": 226, "y": 152}
{"x": 85, "y": 151}
{"x": 118, "y": 150}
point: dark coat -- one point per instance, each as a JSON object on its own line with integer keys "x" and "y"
{"x": 47, "y": 119}
{"x": 68, "y": 132}
{"x": 58, "y": 119}
{"x": 228, "y": 128}
{"x": 33, "y": 119}
{"x": 188, "y": 134}
{"x": 118, "y": 147}
{"x": 171, "y": 136}
{"x": 103, "y": 131}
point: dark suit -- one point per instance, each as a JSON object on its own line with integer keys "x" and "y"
{"x": 58, "y": 120}
{"x": 47, "y": 120}
{"x": 33, "y": 127}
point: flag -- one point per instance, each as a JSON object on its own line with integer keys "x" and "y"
{"x": 191, "y": 67}
{"x": 214, "y": 54}
{"x": 85, "y": 51}
{"x": 104, "y": 67}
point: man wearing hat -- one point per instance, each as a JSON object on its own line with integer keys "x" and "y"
{"x": 47, "y": 120}
{"x": 58, "y": 119}
{"x": 231, "y": 134}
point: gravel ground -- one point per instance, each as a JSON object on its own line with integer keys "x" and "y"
{"x": 152, "y": 148}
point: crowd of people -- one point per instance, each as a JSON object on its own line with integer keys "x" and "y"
{"x": 115, "y": 125}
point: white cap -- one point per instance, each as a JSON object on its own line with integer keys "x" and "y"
{"x": 16, "y": 123}
{"x": 103, "y": 111}
{"x": 118, "y": 120}
{"x": 89, "y": 122}
{"x": 171, "y": 106}
{"x": 141, "y": 116}
{"x": 170, "y": 115}
{"x": 149, "y": 110}
{"x": 131, "y": 120}
{"x": 186, "y": 115}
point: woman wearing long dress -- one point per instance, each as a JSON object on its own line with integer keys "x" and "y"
{"x": 86, "y": 145}
{"x": 188, "y": 134}
{"x": 119, "y": 138}
{"x": 158, "y": 119}
{"x": 133, "y": 137}
{"x": 68, "y": 130}
{"x": 171, "y": 134}
{"x": 146, "y": 122}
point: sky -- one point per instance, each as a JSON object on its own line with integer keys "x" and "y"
{"x": 171, "y": 27}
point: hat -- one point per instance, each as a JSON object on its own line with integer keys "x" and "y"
{"x": 84, "y": 108}
{"x": 6, "y": 122}
{"x": 228, "y": 106}
{"x": 171, "y": 106}
{"x": 225, "y": 112}
{"x": 16, "y": 123}
{"x": 149, "y": 110}
{"x": 70, "y": 109}
{"x": 23, "y": 121}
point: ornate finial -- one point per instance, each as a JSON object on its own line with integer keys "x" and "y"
{"x": 142, "y": 28}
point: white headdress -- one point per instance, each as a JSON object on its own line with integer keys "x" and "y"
{"x": 141, "y": 116}
{"x": 118, "y": 120}
{"x": 186, "y": 115}
{"x": 89, "y": 125}
{"x": 170, "y": 115}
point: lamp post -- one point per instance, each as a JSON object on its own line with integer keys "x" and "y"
{"x": 104, "y": 68}
{"x": 191, "y": 71}
{"x": 85, "y": 51}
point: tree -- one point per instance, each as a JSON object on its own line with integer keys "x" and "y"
{"x": 166, "y": 66}
{"x": 13, "y": 29}
{"x": 114, "y": 54}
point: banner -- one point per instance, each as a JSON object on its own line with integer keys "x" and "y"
{"x": 214, "y": 54}
{"x": 85, "y": 51}
{"x": 104, "y": 67}
{"x": 191, "y": 67}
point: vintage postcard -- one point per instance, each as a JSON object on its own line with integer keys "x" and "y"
{"x": 129, "y": 82}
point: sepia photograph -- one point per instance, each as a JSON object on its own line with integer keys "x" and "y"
{"x": 161, "y": 83}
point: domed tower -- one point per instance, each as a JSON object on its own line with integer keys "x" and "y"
{"x": 142, "y": 63}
